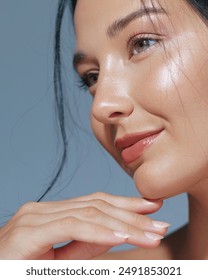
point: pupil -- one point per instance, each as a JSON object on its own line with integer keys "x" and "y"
{"x": 92, "y": 79}
{"x": 143, "y": 44}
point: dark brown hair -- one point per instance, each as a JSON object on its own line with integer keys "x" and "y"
{"x": 199, "y": 6}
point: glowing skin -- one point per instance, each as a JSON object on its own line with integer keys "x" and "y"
{"x": 162, "y": 87}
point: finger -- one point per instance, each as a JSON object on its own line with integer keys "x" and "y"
{"x": 80, "y": 251}
{"x": 116, "y": 215}
{"x": 119, "y": 221}
{"x": 100, "y": 213}
{"x": 73, "y": 229}
{"x": 136, "y": 204}
{"x": 46, "y": 235}
{"x": 99, "y": 228}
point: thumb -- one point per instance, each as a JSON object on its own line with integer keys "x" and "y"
{"x": 77, "y": 250}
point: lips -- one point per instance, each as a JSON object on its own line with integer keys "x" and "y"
{"x": 132, "y": 146}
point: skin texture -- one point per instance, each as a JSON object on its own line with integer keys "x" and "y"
{"x": 157, "y": 85}
{"x": 163, "y": 87}
{"x": 94, "y": 223}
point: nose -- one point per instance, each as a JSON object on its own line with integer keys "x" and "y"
{"x": 112, "y": 101}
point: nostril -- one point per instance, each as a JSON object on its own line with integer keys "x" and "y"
{"x": 116, "y": 114}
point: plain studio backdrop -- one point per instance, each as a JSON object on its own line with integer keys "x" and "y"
{"x": 30, "y": 145}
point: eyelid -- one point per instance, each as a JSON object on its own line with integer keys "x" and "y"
{"x": 142, "y": 35}
{"x": 84, "y": 76}
{"x": 133, "y": 38}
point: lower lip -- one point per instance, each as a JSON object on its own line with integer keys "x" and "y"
{"x": 134, "y": 152}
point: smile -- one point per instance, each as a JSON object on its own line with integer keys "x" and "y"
{"x": 133, "y": 146}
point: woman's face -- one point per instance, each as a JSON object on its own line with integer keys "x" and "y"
{"x": 147, "y": 70}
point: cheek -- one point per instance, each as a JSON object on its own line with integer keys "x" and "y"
{"x": 180, "y": 98}
{"x": 166, "y": 79}
{"x": 170, "y": 174}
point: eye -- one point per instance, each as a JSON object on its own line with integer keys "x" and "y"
{"x": 138, "y": 44}
{"x": 89, "y": 79}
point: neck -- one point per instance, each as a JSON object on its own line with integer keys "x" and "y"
{"x": 196, "y": 242}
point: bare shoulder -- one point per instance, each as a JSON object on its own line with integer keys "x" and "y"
{"x": 168, "y": 250}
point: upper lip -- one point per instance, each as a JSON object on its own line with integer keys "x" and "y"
{"x": 130, "y": 139}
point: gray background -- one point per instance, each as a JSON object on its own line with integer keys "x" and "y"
{"x": 30, "y": 147}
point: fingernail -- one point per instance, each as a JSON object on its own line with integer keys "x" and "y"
{"x": 157, "y": 224}
{"x": 121, "y": 234}
{"x": 148, "y": 202}
{"x": 153, "y": 236}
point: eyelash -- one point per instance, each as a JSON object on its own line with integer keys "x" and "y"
{"x": 132, "y": 41}
{"x": 83, "y": 80}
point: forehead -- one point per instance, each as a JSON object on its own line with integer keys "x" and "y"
{"x": 91, "y": 14}
{"x": 94, "y": 18}
{"x": 94, "y": 9}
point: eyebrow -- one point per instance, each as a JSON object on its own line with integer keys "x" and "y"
{"x": 116, "y": 27}
{"x": 120, "y": 24}
{"x": 80, "y": 57}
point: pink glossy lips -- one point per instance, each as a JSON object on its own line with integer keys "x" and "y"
{"x": 133, "y": 146}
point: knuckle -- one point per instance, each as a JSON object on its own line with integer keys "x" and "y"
{"x": 141, "y": 220}
{"x": 99, "y": 203}
{"x": 90, "y": 212}
{"x": 26, "y": 219}
{"x": 129, "y": 229}
{"x": 28, "y": 207}
{"x": 19, "y": 234}
{"x": 99, "y": 195}
{"x": 96, "y": 229}
{"x": 137, "y": 219}
{"x": 68, "y": 221}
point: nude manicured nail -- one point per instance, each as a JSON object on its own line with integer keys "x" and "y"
{"x": 148, "y": 202}
{"x": 161, "y": 225}
{"x": 120, "y": 234}
{"x": 153, "y": 236}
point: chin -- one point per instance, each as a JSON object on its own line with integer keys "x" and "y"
{"x": 158, "y": 183}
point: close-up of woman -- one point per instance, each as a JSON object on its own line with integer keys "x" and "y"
{"x": 144, "y": 63}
